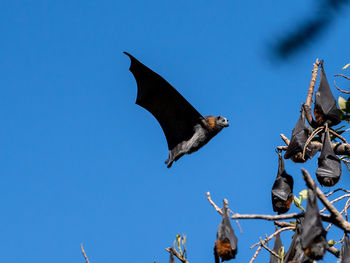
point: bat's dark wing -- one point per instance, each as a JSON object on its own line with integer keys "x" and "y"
{"x": 276, "y": 248}
{"x": 345, "y": 251}
{"x": 329, "y": 166}
{"x": 176, "y": 115}
{"x": 299, "y": 136}
{"x": 325, "y": 102}
{"x": 225, "y": 232}
{"x": 295, "y": 252}
{"x": 312, "y": 228}
{"x": 282, "y": 189}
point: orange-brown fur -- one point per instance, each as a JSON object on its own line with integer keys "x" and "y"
{"x": 211, "y": 123}
{"x": 289, "y": 201}
{"x": 223, "y": 249}
{"x": 329, "y": 181}
{"x": 318, "y": 117}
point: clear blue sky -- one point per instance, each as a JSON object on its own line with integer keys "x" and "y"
{"x": 80, "y": 162}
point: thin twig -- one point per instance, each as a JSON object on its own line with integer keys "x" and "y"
{"x": 285, "y": 139}
{"x": 176, "y": 254}
{"x": 274, "y": 234}
{"x": 341, "y": 75}
{"x": 255, "y": 254}
{"x": 220, "y": 211}
{"x": 268, "y": 217}
{"x": 262, "y": 242}
{"x": 343, "y": 91}
{"x": 335, "y": 200}
{"x": 336, "y": 190}
{"x": 268, "y": 249}
{"x": 345, "y": 210}
{"x": 313, "y": 134}
{"x": 83, "y": 251}
{"x": 213, "y": 204}
{"x": 283, "y": 224}
{"x": 338, "y": 148}
{"x": 338, "y": 135}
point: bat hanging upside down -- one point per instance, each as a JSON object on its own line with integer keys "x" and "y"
{"x": 185, "y": 129}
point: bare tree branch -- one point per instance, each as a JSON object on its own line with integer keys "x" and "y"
{"x": 343, "y": 91}
{"x": 341, "y": 75}
{"x": 176, "y": 254}
{"x": 83, "y": 251}
{"x": 335, "y": 215}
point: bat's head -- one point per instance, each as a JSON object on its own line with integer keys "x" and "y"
{"x": 221, "y": 122}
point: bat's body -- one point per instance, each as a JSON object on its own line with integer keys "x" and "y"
{"x": 185, "y": 129}
{"x": 329, "y": 165}
{"x": 226, "y": 244}
{"x": 282, "y": 189}
{"x": 313, "y": 237}
{"x": 203, "y": 133}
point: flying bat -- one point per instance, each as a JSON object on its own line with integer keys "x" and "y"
{"x": 226, "y": 241}
{"x": 185, "y": 129}
{"x": 313, "y": 236}
{"x": 329, "y": 166}
{"x": 325, "y": 109}
{"x": 276, "y": 248}
{"x": 299, "y": 137}
{"x": 345, "y": 251}
{"x": 282, "y": 189}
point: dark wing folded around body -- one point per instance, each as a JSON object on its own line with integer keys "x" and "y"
{"x": 325, "y": 104}
{"x": 282, "y": 189}
{"x": 329, "y": 165}
{"x": 298, "y": 139}
{"x": 175, "y": 114}
{"x": 226, "y": 240}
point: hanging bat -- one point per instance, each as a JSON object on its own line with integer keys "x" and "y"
{"x": 325, "y": 109}
{"x": 295, "y": 254}
{"x": 226, "y": 241}
{"x": 276, "y": 248}
{"x": 313, "y": 236}
{"x": 282, "y": 189}
{"x": 345, "y": 251}
{"x": 185, "y": 129}
{"x": 297, "y": 142}
{"x": 329, "y": 166}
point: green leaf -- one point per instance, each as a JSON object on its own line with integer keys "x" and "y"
{"x": 346, "y": 66}
{"x": 331, "y": 243}
{"x": 297, "y": 203}
{"x": 342, "y": 103}
{"x": 303, "y": 194}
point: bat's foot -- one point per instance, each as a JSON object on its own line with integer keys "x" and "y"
{"x": 170, "y": 164}
{"x": 167, "y": 161}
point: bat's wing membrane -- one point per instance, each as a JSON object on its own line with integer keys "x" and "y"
{"x": 176, "y": 115}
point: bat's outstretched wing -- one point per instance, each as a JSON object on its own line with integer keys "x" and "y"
{"x": 176, "y": 115}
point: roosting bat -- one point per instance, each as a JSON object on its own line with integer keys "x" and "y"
{"x": 295, "y": 254}
{"x": 325, "y": 109}
{"x": 226, "y": 241}
{"x": 345, "y": 251}
{"x": 297, "y": 142}
{"x": 282, "y": 189}
{"x": 313, "y": 235}
{"x": 185, "y": 129}
{"x": 276, "y": 247}
{"x": 329, "y": 166}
